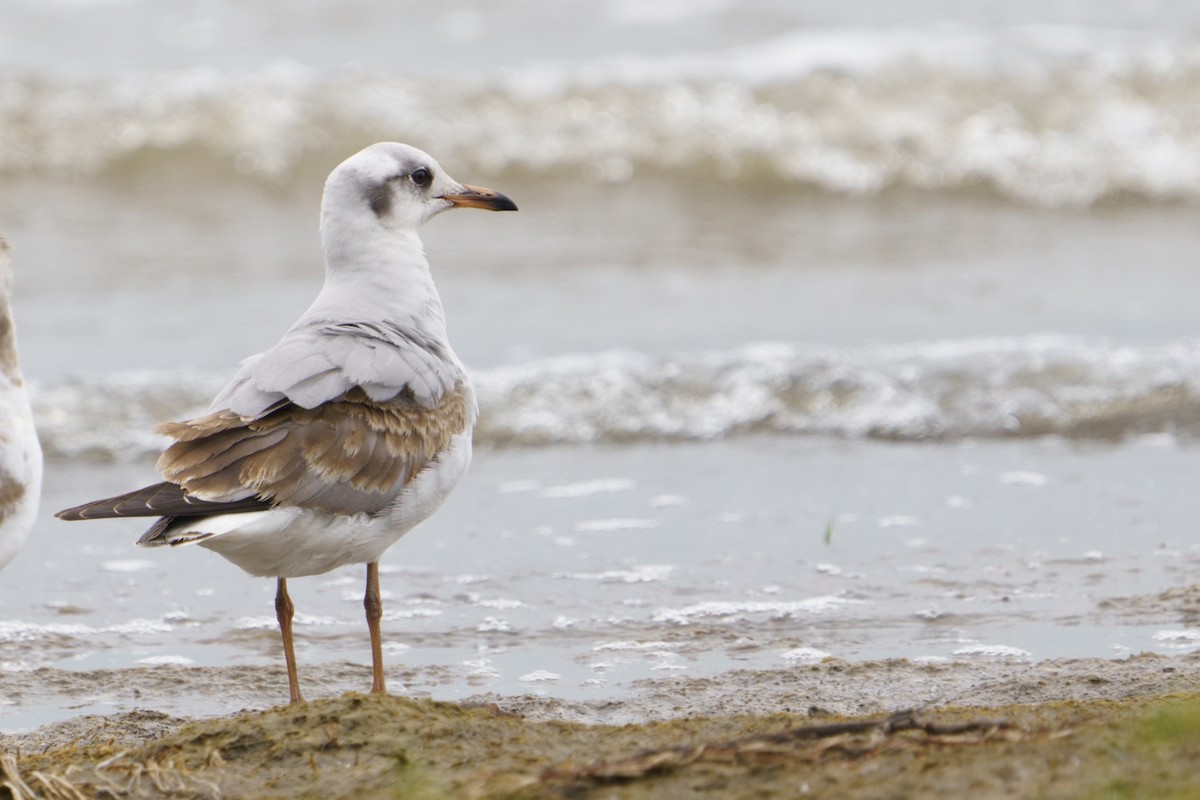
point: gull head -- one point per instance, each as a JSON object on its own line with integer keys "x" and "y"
{"x": 399, "y": 188}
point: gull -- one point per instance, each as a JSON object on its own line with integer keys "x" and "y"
{"x": 327, "y": 448}
{"x": 20, "y": 453}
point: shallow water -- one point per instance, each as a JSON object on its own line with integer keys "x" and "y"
{"x": 577, "y": 571}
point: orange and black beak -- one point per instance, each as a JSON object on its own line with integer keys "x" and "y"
{"x": 467, "y": 196}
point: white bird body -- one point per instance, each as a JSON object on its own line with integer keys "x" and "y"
{"x": 372, "y": 274}
{"x": 293, "y": 543}
{"x": 351, "y": 430}
{"x": 20, "y": 452}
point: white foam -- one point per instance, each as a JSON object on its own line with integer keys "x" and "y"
{"x": 829, "y": 569}
{"x": 587, "y": 488}
{"x": 411, "y": 613}
{"x": 138, "y": 627}
{"x": 17, "y": 631}
{"x": 646, "y": 573}
{"x": 847, "y": 109}
{"x": 612, "y": 525}
{"x": 996, "y": 387}
{"x": 155, "y": 661}
{"x": 513, "y": 487}
{"x": 1024, "y": 478}
{"x": 734, "y": 610}
{"x": 631, "y": 646}
{"x": 271, "y": 623}
{"x": 469, "y": 579}
{"x": 493, "y": 625}
{"x": 992, "y": 651}
{"x": 500, "y": 603}
{"x": 481, "y": 668}
{"x": 127, "y": 565}
{"x": 803, "y": 655}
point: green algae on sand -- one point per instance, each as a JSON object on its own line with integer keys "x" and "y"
{"x": 391, "y": 747}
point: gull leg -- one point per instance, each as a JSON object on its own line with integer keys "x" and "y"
{"x": 374, "y": 606}
{"x": 284, "y": 610}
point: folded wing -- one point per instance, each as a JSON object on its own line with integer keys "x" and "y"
{"x": 337, "y": 417}
{"x": 347, "y": 456}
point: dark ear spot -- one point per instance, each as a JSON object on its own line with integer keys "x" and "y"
{"x": 380, "y": 198}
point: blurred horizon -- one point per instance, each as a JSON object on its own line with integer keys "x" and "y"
{"x": 1052, "y": 104}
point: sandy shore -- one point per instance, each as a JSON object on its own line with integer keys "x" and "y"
{"x": 739, "y": 734}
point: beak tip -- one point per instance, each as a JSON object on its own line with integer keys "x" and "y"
{"x": 479, "y": 197}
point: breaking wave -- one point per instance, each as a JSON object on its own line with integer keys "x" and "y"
{"x": 1051, "y": 117}
{"x": 1005, "y": 387}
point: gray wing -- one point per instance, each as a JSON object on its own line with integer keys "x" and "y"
{"x": 320, "y": 362}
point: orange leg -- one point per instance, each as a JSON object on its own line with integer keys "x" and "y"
{"x": 374, "y": 606}
{"x": 284, "y": 610}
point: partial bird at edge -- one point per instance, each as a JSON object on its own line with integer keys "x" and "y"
{"x": 20, "y": 451}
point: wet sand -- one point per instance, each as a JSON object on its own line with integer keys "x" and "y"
{"x": 1055, "y": 728}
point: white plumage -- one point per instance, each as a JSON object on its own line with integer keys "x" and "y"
{"x": 20, "y": 452}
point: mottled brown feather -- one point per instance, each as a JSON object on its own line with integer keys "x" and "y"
{"x": 346, "y": 456}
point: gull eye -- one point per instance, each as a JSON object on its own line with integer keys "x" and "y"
{"x": 421, "y": 176}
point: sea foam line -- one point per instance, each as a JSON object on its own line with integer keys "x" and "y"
{"x": 991, "y": 387}
{"x": 847, "y": 111}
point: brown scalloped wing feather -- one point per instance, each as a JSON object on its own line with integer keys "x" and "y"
{"x": 346, "y": 456}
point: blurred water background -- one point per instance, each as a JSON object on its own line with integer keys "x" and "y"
{"x": 861, "y": 329}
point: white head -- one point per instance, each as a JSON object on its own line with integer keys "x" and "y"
{"x": 399, "y": 187}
